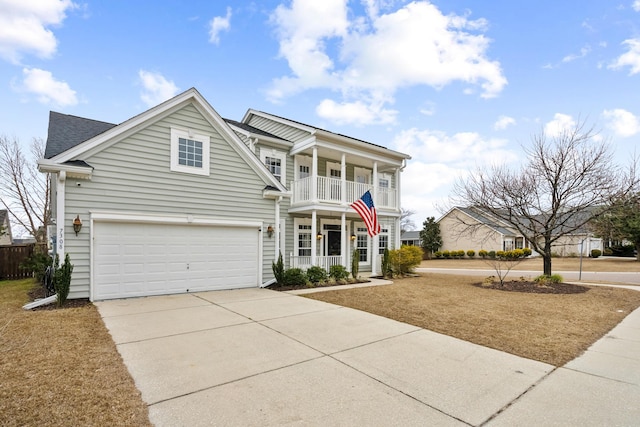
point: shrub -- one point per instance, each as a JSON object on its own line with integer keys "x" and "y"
{"x": 294, "y": 277}
{"x": 317, "y": 274}
{"x": 355, "y": 263}
{"x": 492, "y": 254}
{"x": 608, "y": 252}
{"x": 37, "y": 264}
{"x": 595, "y": 253}
{"x": 437, "y": 254}
{"x": 471, "y": 253}
{"x": 545, "y": 280}
{"x": 446, "y": 254}
{"x": 62, "y": 279}
{"x": 527, "y": 251}
{"x": 386, "y": 264}
{"x": 482, "y": 253}
{"x": 405, "y": 259}
{"x": 460, "y": 254}
{"x": 338, "y": 272}
{"x": 500, "y": 254}
{"x": 278, "y": 270}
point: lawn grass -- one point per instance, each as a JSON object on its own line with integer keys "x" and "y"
{"x": 549, "y": 328}
{"x": 535, "y": 264}
{"x": 61, "y": 367}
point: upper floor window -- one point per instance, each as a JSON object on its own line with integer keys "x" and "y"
{"x": 189, "y": 152}
{"x": 276, "y": 162}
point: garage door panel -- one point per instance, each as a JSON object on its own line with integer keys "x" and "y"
{"x": 152, "y": 259}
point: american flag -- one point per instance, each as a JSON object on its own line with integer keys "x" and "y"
{"x": 364, "y": 207}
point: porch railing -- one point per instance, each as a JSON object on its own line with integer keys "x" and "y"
{"x": 329, "y": 190}
{"x": 304, "y": 262}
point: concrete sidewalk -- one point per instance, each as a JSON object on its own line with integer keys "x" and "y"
{"x": 261, "y": 357}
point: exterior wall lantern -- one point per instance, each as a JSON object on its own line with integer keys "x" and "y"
{"x": 353, "y": 237}
{"x": 77, "y": 224}
{"x": 270, "y": 231}
{"x": 319, "y": 236}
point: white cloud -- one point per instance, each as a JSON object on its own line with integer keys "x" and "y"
{"x": 622, "y": 122}
{"x": 572, "y": 57}
{"x": 630, "y": 58}
{"x": 47, "y": 88}
{"x": 24, "y": 27}
{"x": 219, "y": 24}
{"x": 559, "y": 124}
{"x": 358, "y": 113}
{"x": 377, "y": 54}
{"x": 636, "y": 5}
{"x": 156, "y": 88}
{"x": 504, "y": 122}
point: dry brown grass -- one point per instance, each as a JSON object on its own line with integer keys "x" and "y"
{"x": 61, "y": 367}
{"x": 550, "y": 328}
{"x": 535, "y": 264}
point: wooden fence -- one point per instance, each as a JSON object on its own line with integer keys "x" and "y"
{"x": 10, "y": 259}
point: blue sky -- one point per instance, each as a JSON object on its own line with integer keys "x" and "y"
{"x": 456, "y": 84}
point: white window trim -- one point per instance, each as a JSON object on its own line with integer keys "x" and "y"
{"x": 301, "y": 161}
{"x": 280, "y": 155}
{"x": 297, "y": 222}
{"x": 333, "y": 165}
{"x": 362, "y": 172}
{"x": 386, "y": 177}
{"x": 366, "y": 234}
{"x": 206, "y": 147}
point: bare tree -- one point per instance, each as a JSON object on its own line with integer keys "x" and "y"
{"x": 24, "y": 191}
{"x": 406, "y": 224}
{"x": 567, "y": 181}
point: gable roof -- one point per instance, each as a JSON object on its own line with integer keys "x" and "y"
{"x": 482, "y": 218}
{"x": 314, "y": 130}
{"x": 75, "y": 151}
{"x": 67, "y": 131}
{"x": 252, "y": 130}
{"x": 410, "y": 235}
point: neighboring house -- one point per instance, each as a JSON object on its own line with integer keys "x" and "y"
{"x": 464, "y": 228}
{"x": 410, "y": 238}
{"x": 177, "y": 199}
{"x": 5, "y": 227}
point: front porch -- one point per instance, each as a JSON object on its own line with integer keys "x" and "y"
{"x": 338, "y": 191}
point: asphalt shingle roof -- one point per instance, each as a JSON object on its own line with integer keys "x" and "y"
{"x": 252, "y": 129}
{"x": 66, "y": 131}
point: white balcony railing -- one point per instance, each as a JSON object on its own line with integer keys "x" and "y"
{"x": 329, "y": 190}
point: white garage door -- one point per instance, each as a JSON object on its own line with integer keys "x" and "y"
{"x": 139, "y": 259}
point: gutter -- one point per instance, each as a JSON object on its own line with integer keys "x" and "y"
{"x": 41, "y": 302}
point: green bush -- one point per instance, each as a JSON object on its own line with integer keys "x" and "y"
{"x": 316, "y": 274}
{"x": 446, "y": 254}
{"x": 278, "y": 270}
{"x": 461, "y": 254}
{"x": 37, "y": 264}
{"x": 386, "y": 264}
{"x": 471, "y": 253}
{"x": 405, "y": 259}
{"x": 608, "y": 252}
{"x": 595, "y": 253}
{"x": 338, "y": 272}
{"x": 492, "y": 254}
{"x": 544, "y": 280}
{"x": 355, "y": 263}
{"x": 482, "y": 253}
{"x": 437, "y": 254}
{"x": 62, "y": 279}
{"x": 527, "y": 252}
{"x": 294, "y": 277}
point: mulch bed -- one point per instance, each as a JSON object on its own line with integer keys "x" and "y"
{"x": 315, "y": 285}
{"x": 533, "y": 287}
{"x": 39, "y": 292}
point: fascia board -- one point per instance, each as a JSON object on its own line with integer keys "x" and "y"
{"x": 252, "y": 112}
{"x": 386, "y": 152}
{"x": 48, "y": 166}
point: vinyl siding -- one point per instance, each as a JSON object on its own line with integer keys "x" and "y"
{"x": 133, "y": 175}
{"x": 456, "y": 236}
{"x": 281, "y": 130}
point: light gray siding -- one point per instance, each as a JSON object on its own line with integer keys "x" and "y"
{"x": 134, "y": 175}
{"x": 283, "y": 131}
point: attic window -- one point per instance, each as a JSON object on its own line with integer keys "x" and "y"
{"x": 189, "y": 152}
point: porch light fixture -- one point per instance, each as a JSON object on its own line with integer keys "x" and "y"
{"x": 77, "y": 224}
{"x": 319, "y": 236}
{"x": 353, "y": 237}
{"x": 270, "y": 231}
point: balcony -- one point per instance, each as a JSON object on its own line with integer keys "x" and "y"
{"x": 331, "y": 190}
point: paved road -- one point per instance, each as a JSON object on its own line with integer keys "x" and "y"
{"x": 629, "y": 278}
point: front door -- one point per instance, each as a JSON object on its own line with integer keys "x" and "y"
{"x": 334, "y": 243}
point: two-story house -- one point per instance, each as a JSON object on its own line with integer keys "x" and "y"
{"x": 178, "y": 199}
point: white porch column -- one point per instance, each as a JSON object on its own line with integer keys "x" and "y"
{"x": 375, "y": 242}
{"x": 60, "y": 213}
{"x": 314, "y": 233}
{"x": 398, "y": 201}
{"x": 343, "y": 239}
{"x": 375, "y": 184}
{"x": 343, "y": 180}
{"x": 397, "y": 241}
{"x": 277, "y": 226}
{"x": 314, "y": 176}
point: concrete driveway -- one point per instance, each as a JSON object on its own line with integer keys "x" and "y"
{"x": 260, "y": 357}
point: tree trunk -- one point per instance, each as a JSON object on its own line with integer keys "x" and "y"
{"x": 547, "y": 264}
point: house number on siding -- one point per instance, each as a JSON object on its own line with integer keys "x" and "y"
{"x": 61, "y": 239}
{"x": 187, "y": 266}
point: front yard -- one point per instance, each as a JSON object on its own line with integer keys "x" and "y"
{"x": 61, "y": 367}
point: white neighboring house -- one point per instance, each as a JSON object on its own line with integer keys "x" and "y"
{"x": 5, "y": 237}
{"x": 178, "y": 199}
